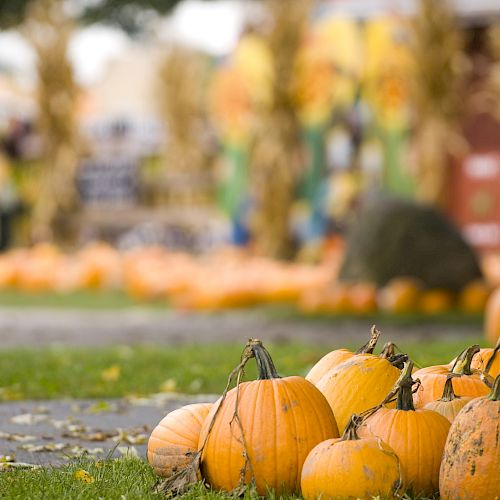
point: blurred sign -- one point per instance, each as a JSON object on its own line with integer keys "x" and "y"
{"x": 475, "y": 199}
{"x": 109, "y": 181}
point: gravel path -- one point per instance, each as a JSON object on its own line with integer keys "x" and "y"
{"x": 38, "y": 327}
{"x": 52, "y": 432}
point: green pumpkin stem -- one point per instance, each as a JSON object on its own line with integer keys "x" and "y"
{"x": 405, "y": 384}
{"x": 264, "y": 361}
{"x": 388, "y": 350}
{"x": 493, "y": 356}
{"x": 495, "y": 390}
{"x": 462, "y": 363}
{"x": 369, "y": 347}
{"x": 448, "y": 392}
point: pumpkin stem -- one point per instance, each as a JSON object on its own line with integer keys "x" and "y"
{"x": 492, "y": 358}
{"x": 495, "y": 390}
{"x": 405, "y": 384}
{"x": 369, "y": 347}
{"x": 448, "y": 392}
{"x": 351, "y": 430}
{"x": 388, "y": 350}
{"x": 264, "y": 361}
{"x": 462, "y": 363}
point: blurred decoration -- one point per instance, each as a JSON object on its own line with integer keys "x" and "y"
{"x": 437, "y": 93}
{"x": 188, "y": 143}
{"x": 275, "y": 156}
{"x": 49, "y": 30}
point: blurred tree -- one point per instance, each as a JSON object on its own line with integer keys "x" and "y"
{"x": 438, "y": 91}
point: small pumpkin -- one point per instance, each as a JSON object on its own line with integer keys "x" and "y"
{"x": 466, "y": 383}
{"x": 334, "y": 358}
{"x": 435, "y": 301}
{"x": 363, "y": 298}
{"x": 471, "y": 461}
{"x": 400, "y": 295}
{"x": 473, "y": 297}
{"x": 488, "y": 360}
{"x": 449, "y": 404}
{"x": 351, "y": 467}
{"x": 359, "y": 383}
{"x": 175, "y": 439}
{"x": 492, "y": 317}
{"x": 417, "y": 436}
{"x": 264, "y": 430}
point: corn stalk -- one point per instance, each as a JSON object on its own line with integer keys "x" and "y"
{"x": 275, "y": 156}
{"x": 48, "y": 29}
{"x": 437, "y": 97}
{"x": 181, "y": 103}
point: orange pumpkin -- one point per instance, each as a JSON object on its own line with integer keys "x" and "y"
{"x": 351, "y": 467}
{"x": 449, "y": 404}
{"x": 274, "y": 422}
{"x": 492, "y": 317}
{"x": 466, "y": 383}
{"x": 175, "y": 439}
{"x": 435, "y": 301}
{"x": 358, "y": 384}
{"x": 417, "y": 436}
{"x": 488, "y": 360}
{"x": 334, "y": 358}
{"x": 400, "y": 295}
{"x": 471, "y": 461}
{"x": 363, "y": 298}
{"x": 473, "y": 297}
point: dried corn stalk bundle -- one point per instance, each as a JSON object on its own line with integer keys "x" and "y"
{"x": 188, "y": 154}
{"x": 275, "y": 153}
{"x": 437, "y": 96}
{"x": 49, "y": 29}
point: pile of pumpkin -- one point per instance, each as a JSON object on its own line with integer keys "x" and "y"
{"x": 226, "y": 278}
{"x": 358, "y": 425}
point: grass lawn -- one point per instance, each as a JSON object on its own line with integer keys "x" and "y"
{"x": 119, "y": 371}
{"x": 107, "y": 479}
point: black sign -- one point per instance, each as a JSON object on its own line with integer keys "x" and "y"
{"x": 110, "y": 181}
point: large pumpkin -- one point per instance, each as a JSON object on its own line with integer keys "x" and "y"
{"x": 417, "y": 436}
{"x": 351, "y": 467}
{"x": 465, "y": 383}
{"x": 471, "y": 463}
{"x": 492, "y": 317}
{"x": 358, "y": 384}
{"x": 175, "y": 439}
{"x": 449, "y": 404}
{"x": 334, "y": 358}
{"x": 273, "y": 422}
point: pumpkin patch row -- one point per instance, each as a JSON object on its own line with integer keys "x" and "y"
{"x": 358, "y": 425}
{"x": 227, "y": 278}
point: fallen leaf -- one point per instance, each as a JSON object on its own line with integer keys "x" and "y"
{"x": 128, "y": 451}
{"x": 7, "y": 458}
{"x": 18, "y": 465}
{"x": 16, "y": 436}
{"x": 83, "y": 475}
{"x": 99, "y": 407}
{"x": 29, "y": 419}
{"x": 170, "y": 385}
{"x": 111, "y": 374}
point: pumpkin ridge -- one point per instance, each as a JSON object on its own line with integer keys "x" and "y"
{"x": 295, "y": 441}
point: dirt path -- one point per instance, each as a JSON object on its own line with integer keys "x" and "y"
{"x": 38, "y": 327}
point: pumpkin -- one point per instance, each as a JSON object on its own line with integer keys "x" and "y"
{"x": 473, "y": 297}
{"x": 435, "y": 301}
{"x": 488, "y": 360}
{"x": 449, "y": 404}
{"x": 417, "y": 436}
{"x": 400, "y": 295}
{"x": 471, "y": 461}
{"x": 334, "y": 358}
{"x": 175, "y": 439}
{"x": 351, "y": 467}
{"x": 363, "y": 298}
{"x": 492, "y": 317}
{"x": 274, "y": 422}
{"x": 358, "y": 384}
{"x": 433, "y": 378}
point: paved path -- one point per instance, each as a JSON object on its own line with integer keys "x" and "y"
{"x": 52, "y": 432}
{"x": 38, "y": 327}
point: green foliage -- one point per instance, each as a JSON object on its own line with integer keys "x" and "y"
{"x": 59, "y": 372}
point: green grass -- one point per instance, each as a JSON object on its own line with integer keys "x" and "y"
{"x": 59, "y": 372}
{"x": 119, "y": 479}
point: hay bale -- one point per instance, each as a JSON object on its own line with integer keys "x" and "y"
{"x": 392, "y": 237}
